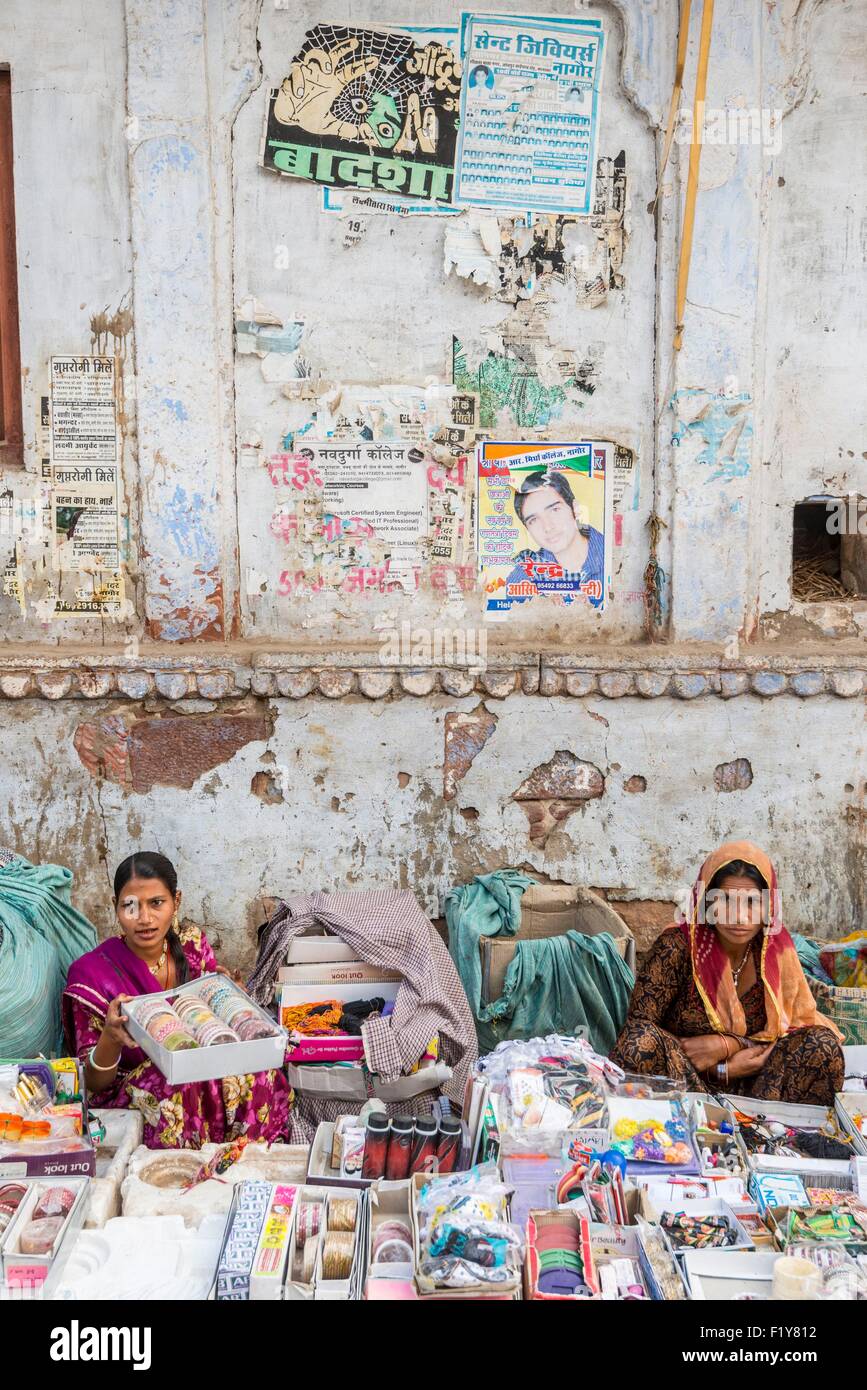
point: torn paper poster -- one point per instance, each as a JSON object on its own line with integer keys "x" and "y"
{"x": 623, "y": 474}
{"x": 83, "y": 410}
{"x": 529, "y": 113}
{"x": 509, "y": 382}
{"x": 473, "y": 248}
{"x": 447, "y": 509}
{"x": 346, "y": 203}
{"x": 267, "y": 338}
{"x": 542, "y": 522}
{"x": 86, "y": 518}
{"x": 437, "y": 412}
{"x": 84, "y": 458}
{"x": 254, "y": 311}
{"x": 367, "y": 109}
{"x": 383, "y": 484}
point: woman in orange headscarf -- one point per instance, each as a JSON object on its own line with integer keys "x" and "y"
{"x": 721, "y": 1000}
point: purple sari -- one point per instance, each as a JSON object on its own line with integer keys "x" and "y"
{"x": 177, "y": 1117}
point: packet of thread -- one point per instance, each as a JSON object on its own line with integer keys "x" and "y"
{"x": 272, "y": 1251}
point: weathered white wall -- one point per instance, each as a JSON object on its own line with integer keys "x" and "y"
{"x": 349, "y": 817}
{"x": 137, "y": 130}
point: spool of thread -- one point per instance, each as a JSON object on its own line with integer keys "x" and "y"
{"x": 342, "y": 1214}
{"x": 424, "y": 1144}
{"x": 375, "y": 1146}
{"x": 399, "y": 1148}
{"x": 448, "y": 1145}
{"x": 795, "y": 1279}
{"x": 337, "y": 1251}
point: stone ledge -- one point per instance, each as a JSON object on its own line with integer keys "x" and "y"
{"x": 63, "y": 681}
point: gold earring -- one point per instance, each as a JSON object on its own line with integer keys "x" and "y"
{"x": 175, "y": 922}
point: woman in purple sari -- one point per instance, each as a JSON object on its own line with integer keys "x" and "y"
{"x": 153, "y": 953}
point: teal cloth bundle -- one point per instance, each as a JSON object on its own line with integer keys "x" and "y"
{"x": 42, "y": 934}
{"x": 554, "y": 984}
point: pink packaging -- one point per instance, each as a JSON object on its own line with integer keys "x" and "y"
{"x": 328, "y": 1049}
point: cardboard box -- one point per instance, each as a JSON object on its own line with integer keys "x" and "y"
{"x": 320, "y": 1169}
{"x": 317, "y": 947}
{"x": 712, "y": 1206}
{"x": 69, "y": 1156}
{"x": 268, "y": 1273}
{"x": 351, "y": 1083}
{"x": 539, "y": 1221}
{"x": 209, "y": 1063}
{"x": 849, "y": 1105}
{"x": 338, "y": 1290}
{"x": 38, "y": 1275}
{"x": 552, "y": 910}
{"x": 289, "y": 996}
{"x": 609, "y": 1243}
{"x": 317, "y": 1051}
{"x": 427, "y": 1291}
{"x": 721, "y": 1275}
{"x": 321, "y": 974}
{"x": 294, "y": 1289}
{"x": 388, "y": 1201}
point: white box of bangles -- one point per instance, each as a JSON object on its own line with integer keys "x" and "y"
{"x": 40, "y": 1235}
{"x": 205, "y": 1030}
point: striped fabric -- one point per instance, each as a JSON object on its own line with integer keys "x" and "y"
{"x": 387, "y": 929}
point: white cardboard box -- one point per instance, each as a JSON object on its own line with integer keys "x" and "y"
{"x": 315, "y": 947}
{"x": 712, "y": 1206}
{"x": 337, "y": 1290}
{"x": 388, "y": 1201}
{"x": 848, "y": 1104}
{"x": 38, "y": 1275}
{"x": 328, "y": 973}
{"x": 290, "y": 995}
{"x": 209, "y": 1063}
{"x": 722, "y": 1275}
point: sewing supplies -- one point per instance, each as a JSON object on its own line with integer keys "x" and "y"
{"x": 250, "y": 1207}
{"x": 698, "y": 1232}
{"x": 269, "y": 1261}
{"x": 662, "y": 1263}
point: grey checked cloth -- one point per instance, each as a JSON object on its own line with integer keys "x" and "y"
{"x": 387, "y": 929}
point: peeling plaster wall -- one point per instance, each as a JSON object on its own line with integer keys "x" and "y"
{"x": 397, "y": 314}
{"x": 358, "y": 801}
{"x": 815, "y": 426}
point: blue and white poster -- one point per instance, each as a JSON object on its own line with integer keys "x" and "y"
{"x": 530, "y": 100}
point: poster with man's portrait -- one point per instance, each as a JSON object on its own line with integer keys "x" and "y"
{"x": 541, "y": 524}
